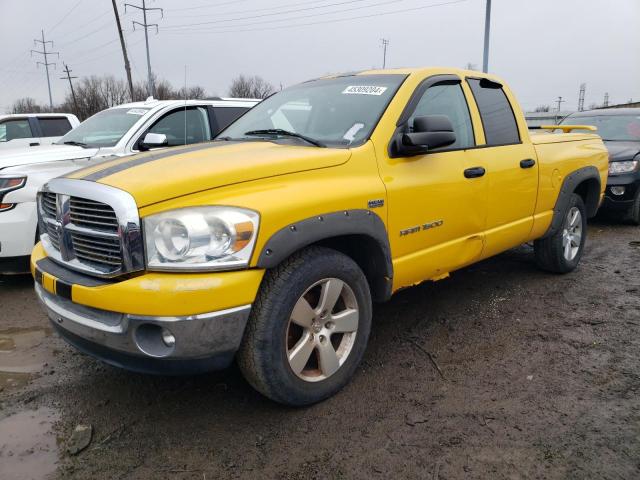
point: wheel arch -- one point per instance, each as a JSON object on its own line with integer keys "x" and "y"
{"x": 584, "y": 182}
{"x": 359, "y": 234}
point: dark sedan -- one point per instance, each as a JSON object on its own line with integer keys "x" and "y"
{"x": 620, "y": 130}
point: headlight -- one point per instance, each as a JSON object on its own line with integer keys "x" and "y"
{"x": 9, "y": 183}
{"x": 200, "y": 238}
{"x": 617, "y": 168}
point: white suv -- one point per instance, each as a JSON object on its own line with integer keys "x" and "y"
{"x": 116, "y": 132}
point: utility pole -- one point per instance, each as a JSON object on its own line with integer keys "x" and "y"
{"x": 583, "y": 87}
{"x": 146, "y": 25}
{"x": 487, "y": 28}
{"x": 73, "y": 93}
{"x": 560, "y": 101}
{"x": 46, "y": 61}
{"x": 606, "y": 100}
{"x": 385, "y": 44}
{"x": 127, "y": 67}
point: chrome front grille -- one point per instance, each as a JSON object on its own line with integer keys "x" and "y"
{"x": 90, "y": 227}
{"x": 92, "y": 214}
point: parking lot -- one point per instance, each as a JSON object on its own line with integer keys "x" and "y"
{"x": 500, "y": 371}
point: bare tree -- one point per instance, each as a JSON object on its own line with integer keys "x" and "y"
{"x": 470, "y": 66}
{"x": 250, "y": 87}
{"x": 542, "y": 108}
{"x": 95, "y": 94}
{"x": 27, "y": 105}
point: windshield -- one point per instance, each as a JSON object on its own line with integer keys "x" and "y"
{"x": 610, "y": 127}
{"x": 336, "y": 112}
{"x": 104, "y": 129}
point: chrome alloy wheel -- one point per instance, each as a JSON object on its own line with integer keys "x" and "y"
{"x": 572, "y": 234}
{"x": 322, "y": 329}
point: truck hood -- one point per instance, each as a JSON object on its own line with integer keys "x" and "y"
{"x": 157, "y": 176}
{"x": 620, "y": 151}
{"x": 14, "y": 157}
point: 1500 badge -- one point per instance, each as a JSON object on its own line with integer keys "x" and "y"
{"x": 418, "y": 228}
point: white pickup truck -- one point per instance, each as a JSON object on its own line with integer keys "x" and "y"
{"x": 116, "y": 132}
{"x": 32, "y": 129}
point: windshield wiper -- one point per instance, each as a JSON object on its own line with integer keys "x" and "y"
{"x": 77, "y": 144}
{"x": 285, "y": 133}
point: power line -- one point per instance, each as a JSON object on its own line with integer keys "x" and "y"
{"x": 64, "y": 17}
{"x": 208, "y": 5}
{"x": 344, "y": 19}
{"x": 146, "y": 26}
{"x": 335, "y": 4}
{"x": 583, "y": 87}
{"x": 300, "y": 17}
{"x": 46, "y": 62}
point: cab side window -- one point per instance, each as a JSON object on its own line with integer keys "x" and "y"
{"x": 192, "y": 121}
{"x": 14, "y": 129}
{"x": 449, "y": 100}
{"x": 498, "y": 120}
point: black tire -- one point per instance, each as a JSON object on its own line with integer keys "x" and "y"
{"x": 550, "y": 251}
{"x": 634, "y": 212}
{"x": 263, "y": 355}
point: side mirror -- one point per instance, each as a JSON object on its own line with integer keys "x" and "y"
{"x": 153, "y": 140}
{"x": 429, "y": 132}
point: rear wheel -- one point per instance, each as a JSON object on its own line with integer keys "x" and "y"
{"x": 308, "y": 328}
{"x": 561, "y": 252}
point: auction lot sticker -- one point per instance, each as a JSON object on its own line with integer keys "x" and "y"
{"x": 363, "y": 90}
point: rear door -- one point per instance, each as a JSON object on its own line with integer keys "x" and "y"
{"x": 511, "y": 168}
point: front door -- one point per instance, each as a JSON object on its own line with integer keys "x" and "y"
{"x": 436, "y": 215}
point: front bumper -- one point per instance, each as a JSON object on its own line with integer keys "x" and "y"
{"x": 199, "y": 342}
{"x": 18, "y": 230}
{"x": 152, "y": 322}
{"x": 631, "y": 184}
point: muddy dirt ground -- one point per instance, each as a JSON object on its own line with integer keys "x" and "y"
{"x": 540, "y": 379}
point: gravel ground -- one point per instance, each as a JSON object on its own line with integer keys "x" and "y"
{"x": 500, "y": 371}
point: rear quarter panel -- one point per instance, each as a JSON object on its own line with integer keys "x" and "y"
{"x": 558, "y": 156}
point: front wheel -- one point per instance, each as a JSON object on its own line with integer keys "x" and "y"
{"x": 308, "y": 328}
{"x": 561, "y": 252}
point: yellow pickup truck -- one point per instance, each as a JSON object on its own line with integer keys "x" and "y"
{"x": 270, "y": 243}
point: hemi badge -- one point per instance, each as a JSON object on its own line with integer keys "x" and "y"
{"x": 376, "y": 203}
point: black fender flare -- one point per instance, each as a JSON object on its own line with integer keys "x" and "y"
{"x": 569, "y": 186}
{"x": 325, "y": 227}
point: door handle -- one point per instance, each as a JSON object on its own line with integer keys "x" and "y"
{"x": 474, "y": 172}
{"x": 528, "y": 163}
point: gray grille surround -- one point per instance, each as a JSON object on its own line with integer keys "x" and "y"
{"x": 90, "y": 227}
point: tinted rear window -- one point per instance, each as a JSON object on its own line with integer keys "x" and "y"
{"x": 54, "y": 127}
{"x": 498, "y": 120}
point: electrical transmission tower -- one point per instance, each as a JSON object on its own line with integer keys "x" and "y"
{"x": 606, "y": 100}
{"x": 583, "y": 87}
{"x": 146, "y": 26}
{"x": 560, "y": 101}
{"x": 73, "y": 93}
{"x": 385, "y": 44}
{"x": 46, "y": 62}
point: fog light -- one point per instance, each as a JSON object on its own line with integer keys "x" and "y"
{"x": 167, "y": 338}
{"x": 617, "y": 190}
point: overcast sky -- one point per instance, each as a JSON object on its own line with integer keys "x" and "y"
{"x": 543, "y": 48}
